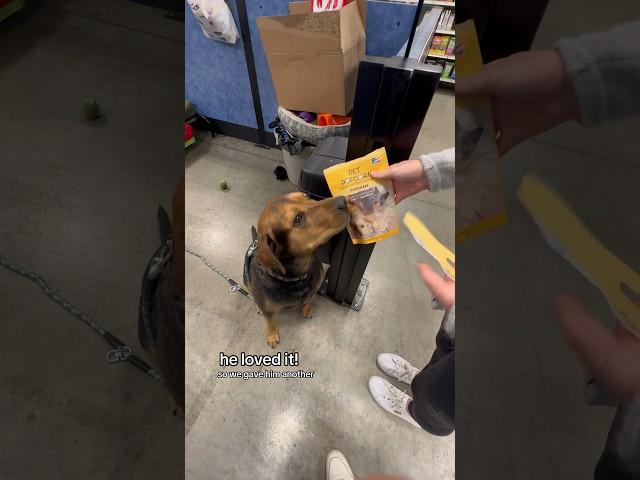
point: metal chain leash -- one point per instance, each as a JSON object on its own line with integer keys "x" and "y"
{"x": 121, "y": 351}
{"x": 235, "y": 286}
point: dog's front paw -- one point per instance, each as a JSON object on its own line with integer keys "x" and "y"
{"x": 307, "y": 310}
{"x": 273, "y": 338}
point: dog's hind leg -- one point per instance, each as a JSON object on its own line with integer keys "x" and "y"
{"x": 273, "y": 336}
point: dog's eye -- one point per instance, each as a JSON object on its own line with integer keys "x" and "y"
{"x": 298, "y": 220}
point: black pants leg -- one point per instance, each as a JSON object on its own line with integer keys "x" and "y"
{"x": 433, "y": 389}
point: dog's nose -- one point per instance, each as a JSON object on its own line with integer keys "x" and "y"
{"x": 341, "y": 203}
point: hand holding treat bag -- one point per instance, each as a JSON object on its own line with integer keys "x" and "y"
{"x": 371, "y": 205}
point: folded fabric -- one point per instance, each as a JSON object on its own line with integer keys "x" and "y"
{"x": 308, "y": 132}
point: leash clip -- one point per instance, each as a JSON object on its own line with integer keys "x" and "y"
{"x": 119, "y": 354}
{"x": 158, "y": 261}
{"x": 252, "y": 248}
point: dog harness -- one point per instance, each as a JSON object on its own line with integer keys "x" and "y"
{"x": 248, "y": 257}
{"x": 159, "y": 301}
{"x": 156, "y": 274}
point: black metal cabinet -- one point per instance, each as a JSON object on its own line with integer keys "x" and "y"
{"x": 392, "y": 98}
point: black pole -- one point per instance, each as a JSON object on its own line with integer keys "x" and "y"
{"x": 251, "y": 68}
{"x": 416, "y": 19}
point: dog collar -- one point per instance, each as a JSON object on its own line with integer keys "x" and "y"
{"x": 251, "y": 253}
{"x": 271, "y": 273}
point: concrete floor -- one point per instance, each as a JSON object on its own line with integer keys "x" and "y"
{"x": 520, "y": 410}
{"x": 78, "y": 204}
{"x": 284, "y": 428}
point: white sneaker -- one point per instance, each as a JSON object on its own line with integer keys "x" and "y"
{"x": 397, "y": 367}
{"x": 391, "y": 399}
{"x": 338, "y": 467}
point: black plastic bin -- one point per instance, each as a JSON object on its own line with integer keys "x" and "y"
{"x": 329, "y": 152}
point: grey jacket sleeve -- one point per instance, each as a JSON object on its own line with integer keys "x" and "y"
{"x": 440, "y": 168}
{"x": 604, "y": 69}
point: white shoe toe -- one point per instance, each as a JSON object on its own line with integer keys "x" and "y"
{"x": 338, "y": 467}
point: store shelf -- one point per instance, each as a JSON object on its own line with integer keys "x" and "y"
{"x": 445, "y": 37}
{"x": 437, "y": 55}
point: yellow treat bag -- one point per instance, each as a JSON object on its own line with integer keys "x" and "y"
{"x": 480, "y": 203}
{"x": 371, "y": 202}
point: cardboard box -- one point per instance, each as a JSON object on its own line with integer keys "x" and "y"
{"x": 314, "y": 57}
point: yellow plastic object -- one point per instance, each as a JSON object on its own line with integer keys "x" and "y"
{"x": 572, "y": 240}
{"x": 430, "y": 243}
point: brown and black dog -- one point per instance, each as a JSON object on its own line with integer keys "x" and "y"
{"x": 284, "y": 272}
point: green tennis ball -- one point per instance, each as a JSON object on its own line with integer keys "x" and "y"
{"x": 224, "y": 186}
{"x": 90, "y": 108}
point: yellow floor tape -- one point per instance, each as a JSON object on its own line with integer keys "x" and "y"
{"x": 572, "y": 240}
{"x": 430, "y": 243}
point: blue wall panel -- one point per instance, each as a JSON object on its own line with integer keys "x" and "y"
{"x": 388, "y": 27}
{"x": 255, "y": 9}
{"x": 216, "y": 77}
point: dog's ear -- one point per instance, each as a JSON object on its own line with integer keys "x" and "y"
{"x": 267, "y": 254}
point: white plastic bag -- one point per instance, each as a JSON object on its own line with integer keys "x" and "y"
{"x": 215, "y": 19}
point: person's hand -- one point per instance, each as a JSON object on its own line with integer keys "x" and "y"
{"x": 408, "y": 178}
{"x": 613, "y": 358}
{"x": 441, "y": 287}
{"x": 530, "y": 93}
